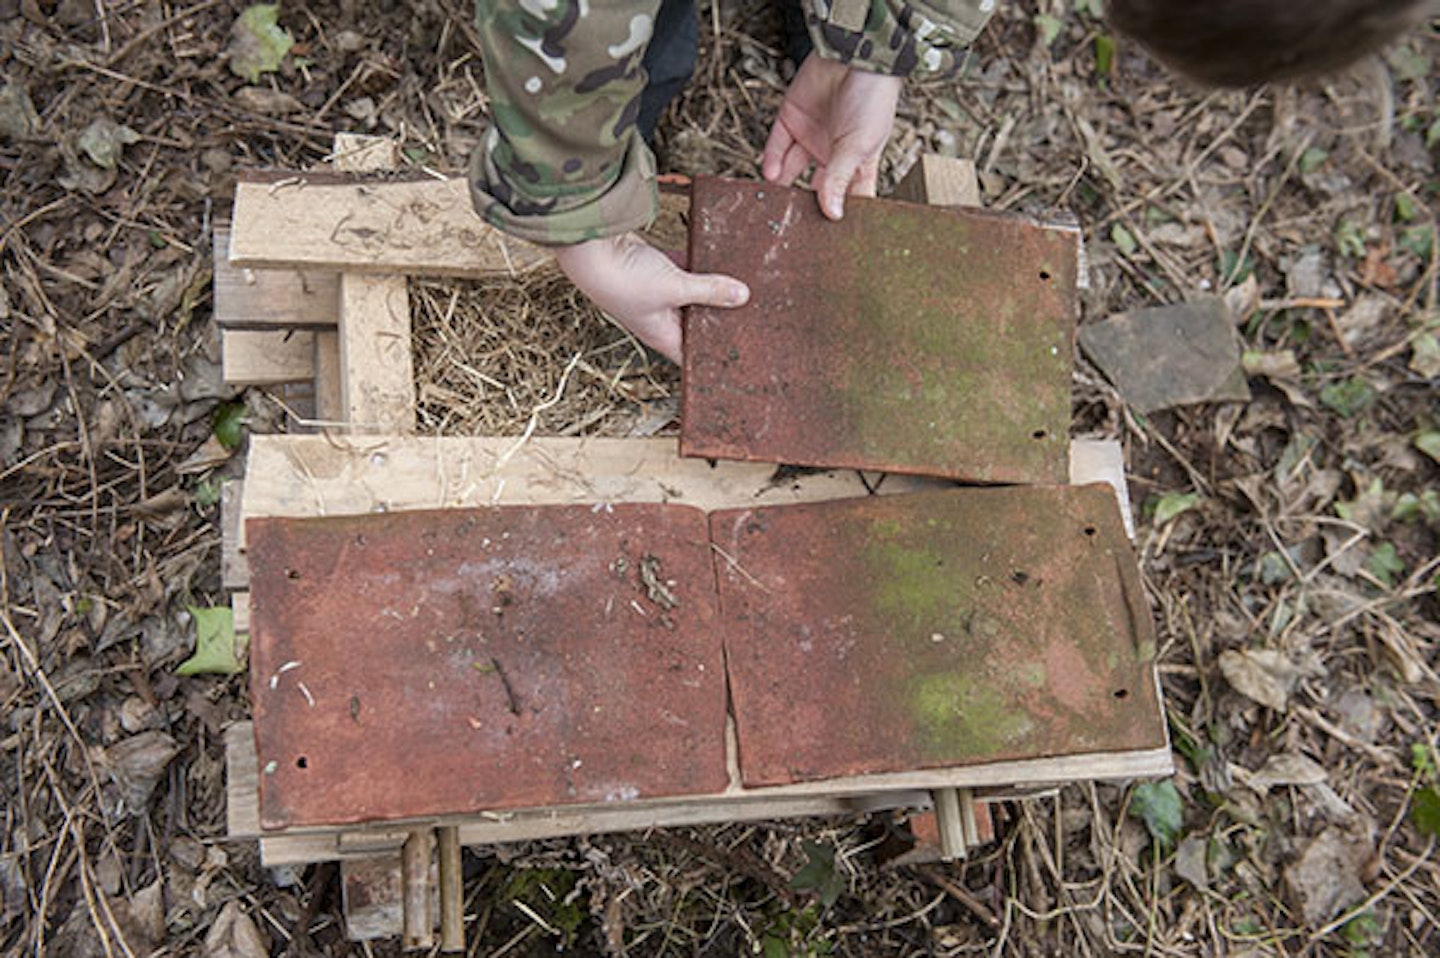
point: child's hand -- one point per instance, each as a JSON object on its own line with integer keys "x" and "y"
{"x": 838, "y": 118}
{"x": 642, "y": 289}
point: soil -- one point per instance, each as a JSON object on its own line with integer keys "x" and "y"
{"x": 1288, "y": 543}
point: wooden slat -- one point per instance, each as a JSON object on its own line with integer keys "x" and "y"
{"x": 371, "y": 890}
{"x": 266, "y": 298}
{"x": 940, "y": 181}
{"x": 835, "y": 797}
{"x": 329, "y": 399}
{"x": 268, "y": 357}
{"x": 423, "y": 227}
{"x": 377, "y": 376}
{"x": 234, "y": 573}
{"x": 332, "y": 475}
{"x": 364, "y": 153}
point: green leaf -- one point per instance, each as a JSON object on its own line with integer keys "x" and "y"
{"x": 1409, "y": 63}
{"x": 1159, "y": 806}
{"x": 104, "y": 140}
{"x": 207, "y": 492}
{"x": 229, "y": 424}
{"x": 1406, "y": 209}
{"x": 1049, "y": 27}
{"x": 1419, "y": 240}
{"x": 1104, "y": 54}
{"x": 1273, "y": 569}
{"x": 1348, "y": 397}
{"x": 1432, "y": 135}
{"x": 1429, "y": 443}
{"x": 1385, "y": 564}
{"x": 258, "y": 43}
{"x": 1312, "y": 159}
{"x": 1123, "y": 240}
{"x": 1234, "y": 269}
{"x": 216, "y": 650}
{"x": 1410, "y": 507}
{"x": 819, "y": 874}
{"x": 1425, "y": 811}
{"x": 1425, "y": 355}
{"x": 1422, "y": 760}
{"x": 1172, "y": 504}
{"x": 1350, "y": 239}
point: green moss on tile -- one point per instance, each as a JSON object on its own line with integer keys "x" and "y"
{"x": 965, "y": 716}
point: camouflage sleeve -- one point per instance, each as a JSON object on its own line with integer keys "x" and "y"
{"x": 898, "y": 37}
{"x": 562, "y": 161}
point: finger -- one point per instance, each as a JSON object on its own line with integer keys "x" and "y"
{"x": 714, "y": 289}
{"x": 777, "y": 147}
{"x": 835, "y": 181}
{"x": 661, "y": 332}
{"x": 796, "y": 160}
{"x": 866, "y": 178}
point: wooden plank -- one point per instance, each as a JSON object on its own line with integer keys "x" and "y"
{"x": 266, "y": 298}
{"x": 418, "y": 227}
{"x": 364, "y": 153}
{"x": 326, "y": 476}
{"x": 234, "y": 573}
{"x": 266, "y": 357}
{"x": 371, "y": 890}
{"x": 240, "y": 612}
{"x": 377, "y": 376}
{"x": 940, "y": 181}
{"x": 1103, "y": 460}
{"x": 452, "y": 889}
{"x": 329, "y": 400}
{"x": 415, "y": 861}
{"x": 837, "y": 797}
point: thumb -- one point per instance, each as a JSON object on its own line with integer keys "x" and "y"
{"x": 715, "y": 289}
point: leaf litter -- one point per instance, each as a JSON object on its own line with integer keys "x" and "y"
{"x": 1313, "y": 205}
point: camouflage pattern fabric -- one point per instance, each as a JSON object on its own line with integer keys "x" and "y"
{"x": 563, "y": 161}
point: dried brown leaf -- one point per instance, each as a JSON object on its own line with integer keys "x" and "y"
{"x": 1327, "y": 877}
{"x": 137, "y": 765}
{"x": 234, "y": 935}
{"x": 1262, "y": 675}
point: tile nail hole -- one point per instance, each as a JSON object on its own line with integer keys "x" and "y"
{"x": 1038, "y": 434}
{"x": 1122, "y": 693}
{"x": 292, "y": 573}
{"x": 302, "y": 762}
{"x": 1044, "y": 275}
{"x": 1089, "y": 530}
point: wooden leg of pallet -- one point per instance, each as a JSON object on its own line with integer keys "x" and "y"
{"x": 415, "y": 869}
{"x": 371, "y": 897}
{"x": 940, "y": 181}
{"x": 452, "y": 890}
{"x": 951, "y": 823}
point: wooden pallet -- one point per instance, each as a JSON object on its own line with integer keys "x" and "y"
{"x": 316, "y": 289}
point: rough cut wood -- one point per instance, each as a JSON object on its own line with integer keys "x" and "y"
{"x": 332, "y": 475}
{"x": 415, "y": 860}
{"x": 940, "y": 181}
{"x": 835, "y": 797}
{"x": 266, "y": 357}
{"x": 329, "y": 399}
{"x": 267, "y": 298}
{"x": 371, "y": 895}
{"x": 413, "y": 227}
{"x": 377, "y": 377}
{"x": 234, "y": 573}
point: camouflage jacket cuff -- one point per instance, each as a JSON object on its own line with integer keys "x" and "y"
{"x": 629, "y": 203}
{"x": 897, "y": 37}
